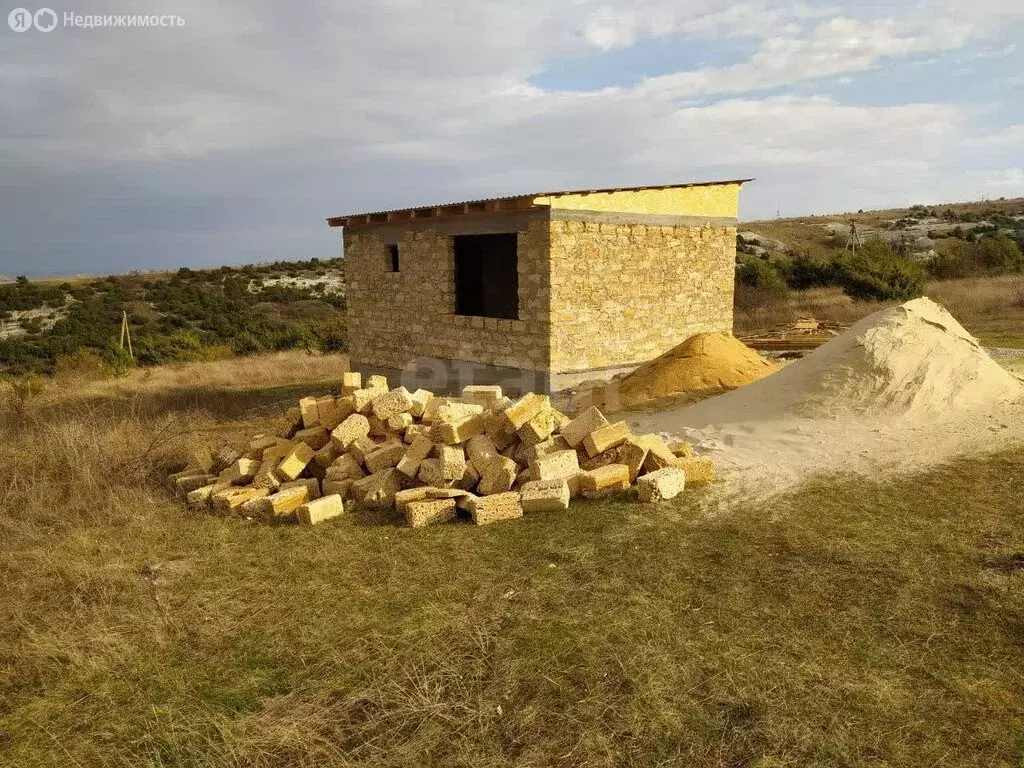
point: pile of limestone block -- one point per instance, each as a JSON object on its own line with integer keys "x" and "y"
{"x": 431, "y": 457}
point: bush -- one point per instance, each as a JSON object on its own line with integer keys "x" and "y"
{"x": 990, "y": 255}
{"x": 875, "y": 273}
{"x": 760, "y": 274}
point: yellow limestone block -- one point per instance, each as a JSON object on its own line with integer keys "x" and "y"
{"x": 379, "y": 489}
{"x": 327, "y": 455}
{"x": 575, "y": 482}
{"x": 351, "y": 429}
{"x": 662, "y": 485}
{"x": 400, "y": 422}
{"x": 524, "y": 409}
{"x": 658, "y": 454}
{"x": 700, "y": 470}
{"x": 453, "y": 461}
{"x": 266, "y": 475}
{"x": 386, "y": 456}
{"x": 332, "y": 414}
{"x": 416, "y": 430}
{"x": 455, "y": 412}
{"x": 241, "y": 472}
{"x": 480, "y": 449}
{"x": 604, "y": 480}
{"x": 430, "y": 473}
{"x": 498, "y": 477}
{"x": 421, "y": 513}
{"x": 545, "y": 496}
{"x": 463, "y": 499}
{"x": 432, "y": 406}
{"x": 561, "y": 420}
{"x": 538, "y": 428}
{"x": 315, "y": 437}
{"x": 341, "y": 487}
{"x": 324, "y": 407}
{"x": 388, "y": 404}
{"x": 378, "y": 428}
{"x": 200, "y": 497}
{"x": 576, "y": 430}
{"x": 362, "y": 399}
{"x": 486, "y": 396}
{"x": 294, "y": 416}
{"x": 556, "y": 465}
{"x": 229, "y": 500}
{"x": 603, "y": 438}
{"x": 361, "y": 448}
{"x": 405, "y": 497}
{"x": 279, "y": 451}
{"x": 351, "y": 381}
{"x": 345, "y": 467}
{"x": 260, "y": 443}
{"x": 378, "y": 382}
{"x": 420, "y": 398}
{"x": 319, "y": 510}
{"x": 631, "y": 453}
{"x": 420, "y": 449}
{"x": 226, "y": 456}
{"x": 291, "y": 466}
{"x": 494, "y": 509}
{"x": 310, "y": 412}
{"x": 343, "y": 408}
{"x": 469, "y": 478}
{"x": 681, "y": 448}
{"x": 283, "y": 503}
{"x": 311, "y": 484}
{"x": 461, "y": 431}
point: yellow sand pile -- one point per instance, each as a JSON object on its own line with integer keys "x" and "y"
{"x": 703, "y": 365}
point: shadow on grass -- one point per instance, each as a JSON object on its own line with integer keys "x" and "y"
{"x": 222, "y": 402}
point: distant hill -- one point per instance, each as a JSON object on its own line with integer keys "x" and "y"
{"x": 173, "y": 316}
{"x": 918, "y": 230}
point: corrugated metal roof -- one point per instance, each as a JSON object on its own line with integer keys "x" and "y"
{"x": 336, "y": 221}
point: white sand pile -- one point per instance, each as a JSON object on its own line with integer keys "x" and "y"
{"x": 904, "y": 388}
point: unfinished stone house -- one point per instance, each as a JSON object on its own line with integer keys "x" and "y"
{"x": 541, "y": 291}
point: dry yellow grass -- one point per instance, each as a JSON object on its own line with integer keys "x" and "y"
{"x": 992, "y": 308}
{"x": 850, "y": 623}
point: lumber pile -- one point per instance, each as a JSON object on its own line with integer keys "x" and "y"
{"x": 482, "y": 454}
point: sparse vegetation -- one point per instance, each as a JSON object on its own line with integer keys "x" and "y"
{"x": 832, "y": 284}
{"x": 187, "y": 315}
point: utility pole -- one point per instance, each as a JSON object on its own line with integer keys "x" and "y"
{"x": 126, "y": 333}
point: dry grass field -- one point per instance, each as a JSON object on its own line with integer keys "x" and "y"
{"x": 992, "y": 308}
{"x": 850, "y": 623}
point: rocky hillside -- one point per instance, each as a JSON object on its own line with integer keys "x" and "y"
{"x": 173, "y": 317}
{"x": 921, "y": 232}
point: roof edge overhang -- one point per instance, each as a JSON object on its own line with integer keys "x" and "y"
{"x": 514, "y": 203}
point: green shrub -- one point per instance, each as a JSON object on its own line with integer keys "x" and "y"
{"x": 760, "y": 274}
{"x": 875, "y": 273}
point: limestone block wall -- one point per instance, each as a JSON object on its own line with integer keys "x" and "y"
{"x": 622, "y": 294}
{"x": 396, "y": 317}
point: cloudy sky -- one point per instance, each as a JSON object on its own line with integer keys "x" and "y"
{"x": 231, "y": 138}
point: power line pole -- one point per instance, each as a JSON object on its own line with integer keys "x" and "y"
{"x": 126, "y": 333}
